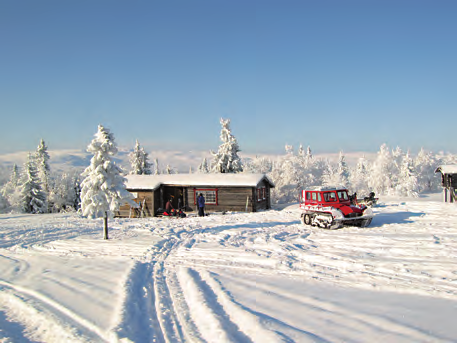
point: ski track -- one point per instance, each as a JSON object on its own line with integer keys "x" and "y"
{"x": 173, "y": 292}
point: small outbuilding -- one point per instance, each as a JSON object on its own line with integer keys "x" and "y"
{"x": 448, "y": 181}
{"x": 222, "y": 192}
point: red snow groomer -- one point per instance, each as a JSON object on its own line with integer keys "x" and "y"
{"x": 331, "y": 208}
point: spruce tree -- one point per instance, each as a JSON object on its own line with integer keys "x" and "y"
{"x": 42, "y": 165}
{"x": 103, "y": 188}
{"x": 203, "y": 167}
{"x": 226, "y": 159}
{"x": 33, "y": 199}
{"x": 139, "y": 164}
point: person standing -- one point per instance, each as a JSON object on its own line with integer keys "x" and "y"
{"x": 169, "y": 207}
{"x": 201, "y": 205}
{"x": 180, "y": 201}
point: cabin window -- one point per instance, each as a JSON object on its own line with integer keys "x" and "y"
{"x": 314, "y": 195}
{"x": 308, "y": 195}
{"x": 210, "y": 196}
{"x": 261, "y": 194}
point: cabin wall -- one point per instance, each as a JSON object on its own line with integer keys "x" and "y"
{"x": 146, "y": 196}
{"x": 228, "y": 199}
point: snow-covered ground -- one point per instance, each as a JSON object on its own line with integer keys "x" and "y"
{"x": 244, "y": 277}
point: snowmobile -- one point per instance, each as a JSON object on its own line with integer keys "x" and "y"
{"x": 370, "y": 200}
{"x": 331, "y": 208}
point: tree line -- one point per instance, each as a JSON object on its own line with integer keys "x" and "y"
{"x": 34, "y": 188}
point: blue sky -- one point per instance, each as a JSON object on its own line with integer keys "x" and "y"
{"x": 335, "y": 75}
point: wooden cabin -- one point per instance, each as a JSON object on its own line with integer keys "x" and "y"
{"x": 448, "y": 181}
{"x": 222, "y": 192}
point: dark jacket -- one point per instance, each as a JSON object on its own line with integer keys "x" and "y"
{"x": 200, "y": 201}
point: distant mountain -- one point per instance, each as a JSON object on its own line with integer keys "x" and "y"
{"x": 181, "y": 161}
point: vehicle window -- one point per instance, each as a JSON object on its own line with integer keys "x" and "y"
{"x": 314, "y": 196}
{"x": 319, "y": 197}
{"x": 308, "y": 195}
{"x": 343, "y": 195}
{"x": 329, "y": 196}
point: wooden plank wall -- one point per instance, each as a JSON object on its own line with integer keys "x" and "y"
{"x": 229, "y": 199}
{"x": 125, "y": 211}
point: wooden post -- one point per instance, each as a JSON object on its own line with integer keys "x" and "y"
{"x": 445, "y": 194}
{"x": 451, "y": 194}
{"x": 105, "y": 226}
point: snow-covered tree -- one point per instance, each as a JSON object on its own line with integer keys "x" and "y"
{"x": 203, "y": 167}
{"x": 103, "y": 188}
{"x": 169, "y": 170}
{"x": 288, "y": 177}
{"x": 11, "y": 191}
{"x": 42, "y": 165}
{"x": 407, "y": 179}
{"x": 4, "y": 204}
{"x": 359, "y": 177}
{"x": 330, "y": 176}
{"x": 139, "y": 164}
{"x": 397, "y": 158}
{"x": 289, "y": 150}
{"x": 261, "y": 165}
{"x": 226, "y": 159}
{"x": 381, "y": 173}
{"x": 63, "y": 193}
{"x": 309, "y": 154}
{"x": 33, "y": 199}
{"x": 425, "y": 165}
{"x": 342, "y": 171}
{"x": 156, "y": 167}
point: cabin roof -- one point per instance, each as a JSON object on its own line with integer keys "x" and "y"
{"x": 152, "y": 182}
{"x": 447, "y": 169}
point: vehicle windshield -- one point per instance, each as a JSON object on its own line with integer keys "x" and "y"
{"x": 330, "y": 196}
{"x": 343, "y": 195}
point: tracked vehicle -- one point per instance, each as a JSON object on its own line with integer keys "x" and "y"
{"x": 331, "y": 208}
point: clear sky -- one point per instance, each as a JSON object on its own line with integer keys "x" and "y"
{"x": 335, "y": 75}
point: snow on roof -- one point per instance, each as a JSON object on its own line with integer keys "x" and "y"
{"x": 326, "y": 188}
{"x": 447, "y": 169}
{"x": 152, "y": 182}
